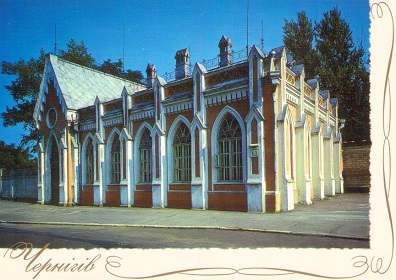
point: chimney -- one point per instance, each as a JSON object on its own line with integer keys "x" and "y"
{"x": 225, "y": 46}
{"x": 182, "y": 64}
{"x": 151, "y": 72}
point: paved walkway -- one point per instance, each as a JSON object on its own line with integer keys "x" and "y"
{"x": 345, "y": 216}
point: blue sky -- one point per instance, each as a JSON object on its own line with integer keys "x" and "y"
{"x": 153, "y": 30}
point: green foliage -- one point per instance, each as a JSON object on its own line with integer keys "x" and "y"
{"x": 112, "y": 68}
{"x": 12, "y": 157}
{"x": 77, "y": 53}
{"x": 134, "y": 75}
{"x": 116, "y": 69}
{"x": 299, "y": 37}
{"x": 339, "y": 63}
{"x": 24, "y": 89}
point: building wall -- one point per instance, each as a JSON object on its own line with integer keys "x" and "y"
{"x": 269, "y": 111}
{"x": 356, "y": 166}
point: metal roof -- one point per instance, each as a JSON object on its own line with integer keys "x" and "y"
{"x": 80, "y": 85}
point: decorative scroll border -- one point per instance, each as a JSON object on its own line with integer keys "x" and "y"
{"x": 362, "y": 264}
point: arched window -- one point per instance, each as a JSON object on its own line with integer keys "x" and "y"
{"x": 145, "y": 157}
{"x": 182, "y": 154}
{"x": 89, "y": 163}
{"x": 230, "y": 150}
{"x": 115, "y": 162}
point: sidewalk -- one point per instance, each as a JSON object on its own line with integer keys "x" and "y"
{"x": 344, "y": 216}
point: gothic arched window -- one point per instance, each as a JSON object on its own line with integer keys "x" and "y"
{"x": 230, "y": 150}
{"x": 182, "y": 154}
{"x": 115, "y": 162}
{"x": 89, "y": 163}
{"x": 145, "y": 157}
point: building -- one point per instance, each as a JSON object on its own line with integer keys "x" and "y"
{"x": 247, "y": 135}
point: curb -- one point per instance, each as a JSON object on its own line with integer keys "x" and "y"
{"x": 361, "y": 238}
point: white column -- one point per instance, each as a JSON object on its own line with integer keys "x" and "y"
{"x": 329, "y": 183}
{"x": 317, "y": 165}
{"x": 99, "y": 198}
{"x": 303, "y": 185}
{"x": 339, "y": 180}
{"x": 41, "y": 178}
{"x": 159, "y": 187}
{"x": 76, "y": 183}
{"x": 283, "y": 179}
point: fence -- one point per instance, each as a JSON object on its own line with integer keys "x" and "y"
{"x": 20, "y": 184}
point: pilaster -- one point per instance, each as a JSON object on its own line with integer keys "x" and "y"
{"x": 199, "y": 152}
{"x": 329, "y": 183}
{"x": 63, "y": 192}
{"x": 126, "y": 152}
{"x": 41, "y": 170}
{"x": 339, "y": 180}
{"x": 256, "y": 183}
{"x": 317, "y": 164}
{"x": 99, "y": 198}
{"x": 303, "y": 181}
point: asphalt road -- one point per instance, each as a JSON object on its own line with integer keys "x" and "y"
{"x": 89, "y": 237}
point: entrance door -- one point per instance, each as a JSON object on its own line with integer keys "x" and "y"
{"x": 54, "y": 165}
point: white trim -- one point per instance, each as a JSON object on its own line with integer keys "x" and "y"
{"x": 113, "y": 121}
{"x": 222, "y": 97}
{"x": 47, "y": 120}
{"x": 142, "y": 114}
{"x": 88, "y": 126}
{"x": 179, "y": 107}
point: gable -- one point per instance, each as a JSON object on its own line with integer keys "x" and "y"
{"x": 78, "y": 86}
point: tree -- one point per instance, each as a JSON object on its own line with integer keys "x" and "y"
{"x": 299, "y": 38}
{"x": 134, "y": 75}
{"x": 112, "y": 68}
{"x": 24, "y": 89}
{"x": 12, "y": 157}
{"x": 338, "y": 62}
{"x": 342, "y": 70}
{"x": 77, "y": 53}
{"x": 116, "y": 69}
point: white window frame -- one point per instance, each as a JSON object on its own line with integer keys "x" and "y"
{"x": 230, "y": 167}
{"x": 145, "y": 159}
{"x": 89, "y": 164}
{"x": 115, "y": 161}
{"x": 181, "y": 157}
{"x": 215, "y": 148}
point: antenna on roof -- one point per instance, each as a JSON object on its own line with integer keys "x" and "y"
{"x": 123, "y": 48}
{"x": 247, "y": 27}
{"x": 55, "y": 41}
{"x": 262, "y": 36}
